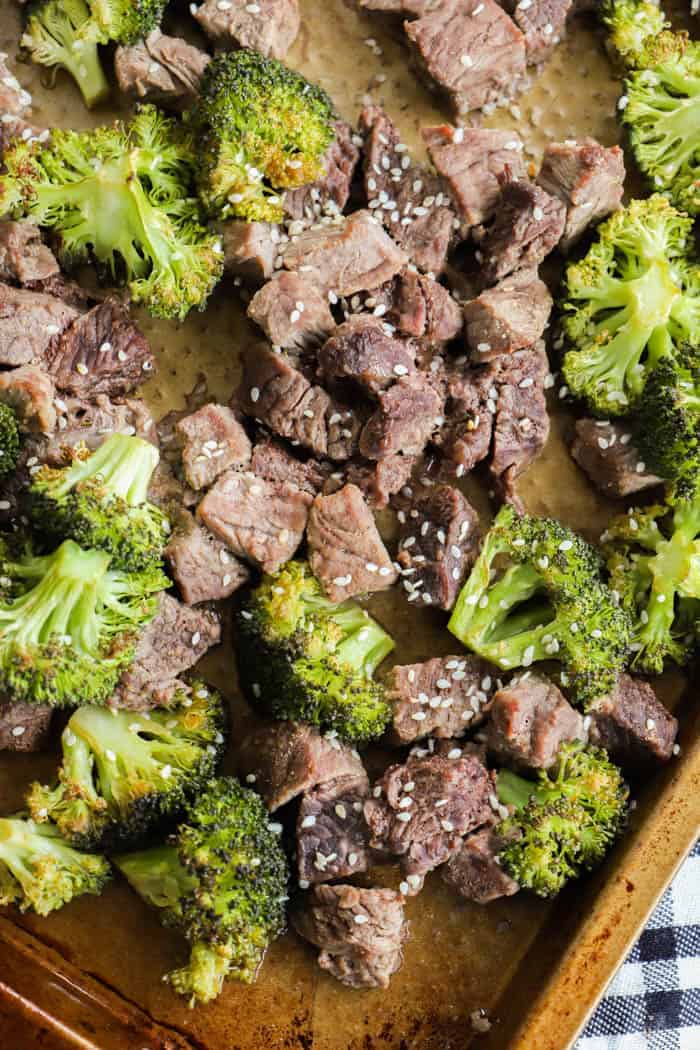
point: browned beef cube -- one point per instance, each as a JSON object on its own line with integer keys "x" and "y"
{"x": 511, "y": 315}
{"x": 268, "y": 26}
{"x": 212, "y": 441}
{"x": 379, "y": 481}
{"x": 417, "y": 305}
{"x": 466, "y": 437}
{"x": 250, "y": 249}
{"x": 360, "y": 932}
{"x": 29, "y": 391}
{"x": 420, "y": 811}
{"x": 90, "y": 422}
{"x": 274, "y": 463}
{"x": 543, "y": 23}
{"x": 587, "y": 178}
{"x": 292, "y": 312}
{"x": 411, "y": 201}
{"x": 24, "y": 727}
{"x": 521, "y": 421}
{"x": 361, "y": 349}
{"x": 606, "y": 454}
{"x": 472, "y": 160}
{"x": 408, "y": 412}
{"x": 528, "y": 224}
{"x": 331, "y": 831}
{"x": 203, "y": 568}
{"x": 331, "y": 192}
{"x": 162, "y": 69}
{"x": 473, "y": 57}
{"x": 438, "y": 546}
{"x": 29, "y": 322}
{"x": 475, "y": 874}
{"x": 441, "y": 698}
{"x": 23, "y": 256}
{"x": 529, "y": 721}
{"x": 346, "y": 551}
{"x": 261, "y": 521}
{"x": 281, "y": 760}
{"x": 633, "y": 725}
{"x": 348, "y": 257}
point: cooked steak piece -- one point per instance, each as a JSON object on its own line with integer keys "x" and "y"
{"x": 24, "y": 727}
{"x": 332, "y": 191}
{"x": 417, "y": 305}
{"x": 543, "y": 23}
{"x": 379, "y": 481}
{"x": 475, "y": 874}
{"x": 420, "y": 811}
{"x": 162, "y": 69}
{"x": 362, "y": 350}
{"x": 587, "y": 178}
{"x": 348, "y": 257}
{"x": 633, "y": 725}
{"x": 408, "y": 412}
{"x": 292, "y": 312}
{"x": 346, "y": 551}
{"x": 529, "y": 720}
{"x": 606, "y": 454}
{"x": 90, "y": 422}
{"x": 441, "y": 698}
{"x": 24, "y": 258}
{"x": 466, "y": 437}
{"x": 528, "y": 224}
{"x": 331, "y": 831}
{"x": 29, "y": 323}
{"x": 281, "y": 760}
{"x": 213, "y": 440}
{"x": 261, "y": 521}
{"x": 30, "y": 392}
{"x": 250, "y": 249}
{"x": 70, "y": 292}
{"x": 268, "y": 26}
{"x": 438, "y": 546}
{"x": 203, "y": 567}
{"x": 521, "y": 421}
{"x": 274, "y": 463}
{"x": 410, "y": 200}
{"x": 511, "y": 315}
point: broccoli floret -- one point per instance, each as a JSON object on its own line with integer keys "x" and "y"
{"x": 633, "y": 299}
{"x": 69, "y": 627}
{"x": 304, "y": 658}
{"x": 630, "y": 25}
{"x": 261, "y": 128}
{"x": 9, "y": 440}
{"x": 222, "y": 881}
{"x": 121, "y": 195}
{"x": 38, "y": 870}
{"x": 536, "y": 593}
{"x": 54, "y": 37}
{"x": 101, "y": 500}
{"x": 123, "y": 21}
{"x": 124, "y": 773}
{"x": 565, "y": 822}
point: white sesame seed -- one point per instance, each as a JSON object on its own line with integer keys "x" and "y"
{"x": 19, "y": 730}
{"x": 466, "y": 61}
{"x": 403, "y": 817}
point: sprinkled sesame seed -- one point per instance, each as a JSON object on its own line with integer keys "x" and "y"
{"x": 404, "y": 817}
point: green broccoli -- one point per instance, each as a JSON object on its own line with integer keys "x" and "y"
{"x": 124, "y": 773}
{"x": 100, "y": 500}
{"x": 565, "y": 822}
{"x": 121, "y": 195}
{"x": 304, "y": 658}
{"x": 38, "y": 870}
{"x": 10, "y": 441}
{"x": 630, "y": 25}
{"x": 123, "y": 21}
{"x": 68, "y": 628}
{"x": 261, "y": 128}
{"x": 633, "y": 299}
{"x": 222, "y": 881}
{"x": 54, "y": 37}
{"x": 536, "y": 593}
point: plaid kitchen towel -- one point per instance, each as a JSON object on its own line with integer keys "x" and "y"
{"x": 653, "y": 1002}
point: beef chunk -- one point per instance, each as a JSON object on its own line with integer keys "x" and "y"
{"x": 331, "y": 831}
{"x": 331, "y": 192}
{"x": 346, "y": 551}
{"x": 101, "y": 352}
{"x": 475, "y": 874}
{"x": 587, "y": 178}
{"x": 511, "y": 315}
{"x": 633, "y": 725}
{"x": 292, "y": 312}
{"x": 421, "y": 810}
{"x": 379, "y": 481}
{"x": 90, "y": 422}
{"x": 24, "y": 258}
{"x": 543, "y": 24}
{"x": 529, "y": 721}
{"x": 411, "y": 201}
{"x": 269, "y": 26}
{"x": 409, "y": 411}
{"x": 521, "y": 421}
{"x": 161, "y": 69}
{"x": 348, "y": 257}
{"x": 472, "y": 160}
{"x": 29, "y": 323}
{"x": 284, "y": 759}
{"x": 466, "y": 437}
{"x": 417, "y": 305}
{"x": 528, "y": 224}
{"x": 30, "y": 393}
{"x": 250, "y": 249}
{"x": 204, "y": 568}
{"x": 605, "y": 452}
{"x": 212, "y": 441}
{"x": 274, "y": 463}
{"x": 24, "y": 727}
{"x": 438, "y": 546}
{"x": 361, "y": 349}
{"x": 473, "y": 57}
{"x": 441, "y": 698}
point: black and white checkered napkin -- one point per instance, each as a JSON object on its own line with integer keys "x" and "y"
{"x": 653, "y": 1002}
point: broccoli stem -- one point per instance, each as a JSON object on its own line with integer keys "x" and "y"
{"x": 157, "y": 875}
{"x": 513, "y": 790}
{"x": 122, "y": 465}
{"x": 365, "y": 643}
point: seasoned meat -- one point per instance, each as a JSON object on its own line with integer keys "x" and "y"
{"x": 511, "y": 315}
{"x": 292, "y": 312}
{"x": 281, "y": 760}
{"x": 362, "y": 350}
{"x": 529, "y": 720}
{"x": 162, "y": 69}
{"x": 543, "y": 24}
{"x": 442, "y": 697}
{"x": 346, "y": 551}
{"x": 348, "y": 257}
{"x": 331, "y": 831}
{"x": 417, "y": 305}
{"x": 408, "y": 412}
{"x": 24, "y": 258}
{"x": 474, "y": 872}
{"x": 466, "y": 437}
{"x": 203, "y": 567}
{"x": 250, "y": 249}
{"x": 587, "y": 178}
{"x": 528, "y": 224}
{"x": 379, "y": 481}
{"x": 30, "y": 392}
{"x": 438, "y": 544}
{"x": 24, "y": 727}
{"x": 606, "y": 454}
{"x": 90, "y": 422}
{"x": 332, "y": 191}
{"x": 212, "y": 441}
{"x": 29, "y": 322}
{"x": 360, "y": 932}
{"x": 521, "y": 421}
{"x": 633, "y": 725}
{"x": 273, "y": 462}
{"x": 268, "y": 26}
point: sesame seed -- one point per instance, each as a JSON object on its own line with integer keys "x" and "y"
{"x": 19, "y": 730}
{"x": 340, "y": 811}
{"x": 403, "y": 889}
{"x": 403, "y": 817}
{"x": 466, "y": 61}
{"x": 447, "y": 825}
{"x": 250, "y": 778}
{"x": 308, "y": 822}
{"x": 110, "y": 755}
{"x": 650, "y": 724}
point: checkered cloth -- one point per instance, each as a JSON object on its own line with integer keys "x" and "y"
{"x": 653, "y": 1002}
